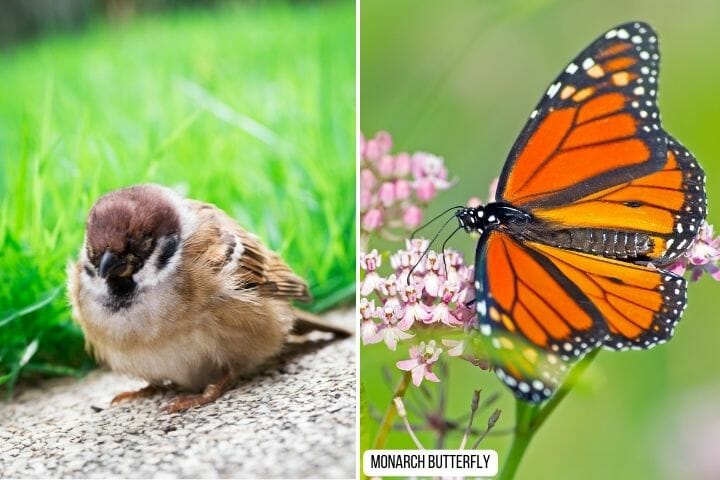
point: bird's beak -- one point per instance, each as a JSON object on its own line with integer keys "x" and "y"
{"x": 113, "y": 266}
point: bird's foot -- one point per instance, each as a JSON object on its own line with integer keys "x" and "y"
{"x": 211, "y": 393}
{"x": 144, "y": 392}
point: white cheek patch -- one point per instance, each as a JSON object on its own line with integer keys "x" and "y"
{"x": 95, "y": 285}
{"x": 149, "y": 275}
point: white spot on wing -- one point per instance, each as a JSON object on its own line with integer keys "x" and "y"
{"x": 554, "y": 88}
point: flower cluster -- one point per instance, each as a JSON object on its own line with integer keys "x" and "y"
{"x": 702, "y": 257}
{"x": 421, "y": 292}
{"x": 394, "y": 188}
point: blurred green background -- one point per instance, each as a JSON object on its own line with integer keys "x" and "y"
{"x": 459, "y": 79}
{"x": 248, "y": 105}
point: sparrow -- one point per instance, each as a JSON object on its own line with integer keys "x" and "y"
{"x": 174, "y": 291}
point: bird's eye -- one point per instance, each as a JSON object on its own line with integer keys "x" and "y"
{"x": 147, "y": 242}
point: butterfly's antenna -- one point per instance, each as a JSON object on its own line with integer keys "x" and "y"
{"x": 443, "y": 248}
{"x": 412, "y": 236}
{"x": 428, "y": 247}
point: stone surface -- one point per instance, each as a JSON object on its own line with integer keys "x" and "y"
{"x": 295, "y": 419}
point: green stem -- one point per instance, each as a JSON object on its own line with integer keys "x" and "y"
{"x": 529, "y": 418}
{"x": 524, "y": 431}
{"x": 389, "y": 417}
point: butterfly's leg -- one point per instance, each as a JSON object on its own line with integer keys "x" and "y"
{"x": 211, "y": 393}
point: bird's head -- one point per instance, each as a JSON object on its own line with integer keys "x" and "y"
{"x": 129, "y": 228}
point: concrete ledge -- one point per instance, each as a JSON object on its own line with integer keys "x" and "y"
{"x": 296, "y": 419}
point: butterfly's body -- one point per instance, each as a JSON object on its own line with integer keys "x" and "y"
{"x": 621, "y": 244}
{"x": 595, "y": 201}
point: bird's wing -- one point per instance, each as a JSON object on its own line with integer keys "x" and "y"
{"x": 221, "y": 243}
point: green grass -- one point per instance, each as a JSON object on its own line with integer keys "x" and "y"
{"x": 459, "y": 79}
{"x": 251, "y": 108}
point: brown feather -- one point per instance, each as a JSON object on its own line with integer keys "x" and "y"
{"x": 257, "y": 267}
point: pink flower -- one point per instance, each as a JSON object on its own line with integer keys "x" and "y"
{"x": 492, "y": 191}
{"x": 431, "y": 283}
{"x": 386, "y": 166}
{"x": 425, "y": 189}
{"x": 415, "y": 311}
{"x": 372, "y": 220}
{"x": 372, "y": 150}
{"x": 367, "y": 179}
{"x": 474, "y": 202}
{"x": 393, "y": 189}
{"x": 402, "y": 189}
{"x": 402, "y": 164}
{"x": 706, "y": 248}
{"x": 372, "y": 281}
{"x": 389, "y": 286}
{"x": 376, "y": 147}
{"x": 389, "y": 331}
{"x": 366, "y": 198}
{"x": 384, "y": 140}
{"x": 367, "y": 309}
{"x": 386, "y": 194}
{"x": 421, "y": 360}
{"x": 456, "y": 347}
{"x": 702, "y": 256}
{"x": 404, "y": 260}
{"x": 431, "y": 167}
{"x": 464, "y": 314}
{"x": 453, "y": 265}
{"x": 367, "y": 313}
{"x": 423, "y": 164}
{"x": 442, "y": 312}
{"x": 368, "y": 330}
{"x": 412, "y": 216}
{"x": 417, "y": 245}
{"x": 370, "y": 261}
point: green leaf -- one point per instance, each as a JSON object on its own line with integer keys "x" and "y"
{"x": 44, "y": 301}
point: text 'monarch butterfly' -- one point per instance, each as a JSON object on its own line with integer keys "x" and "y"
{"x": 594, "y": 200}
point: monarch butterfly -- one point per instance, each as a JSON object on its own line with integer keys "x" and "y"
{"x": 594, "y": 199}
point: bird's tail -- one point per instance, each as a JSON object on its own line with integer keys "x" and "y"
{"x": 306, "y": 322}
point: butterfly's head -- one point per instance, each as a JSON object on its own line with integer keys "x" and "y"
{"x": 492, "y": 215}
{"x": 472, "y": 219}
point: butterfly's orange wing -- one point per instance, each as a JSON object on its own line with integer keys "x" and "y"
{"x": 594, "y": 154}
{"x": 596, "y": 126}
{"x": 544, "y": 307}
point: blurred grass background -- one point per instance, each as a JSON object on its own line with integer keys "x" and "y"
{"x": 248, "y": 105}
{"x": 459, "y": 79}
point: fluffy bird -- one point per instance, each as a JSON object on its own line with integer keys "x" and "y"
{"x": 173, "y": 291}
